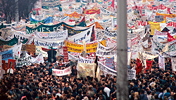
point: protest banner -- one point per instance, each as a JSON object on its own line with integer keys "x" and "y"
{"x": 11, "y": 66}
{"x": 91, "y": 47}
{"x": 173, "y": 60}
{"x": 58, "y": 72}
{"x": 110, "y": 62}
{"x": 161, "y": 62}
{"x": 65, "y": 52}
{"x": 1, "y": 69}
{"x": 86, "y": 69}
{"x": 50, "y": 3}
{"x": 30, "y": 48}
{"x": 85, "y": 60}
{"x": 7, "y": 55}
{"x": 82, "y": 36}
{"x": 106, "y": 70}
{"x": 131, "y": 74}
{"x": 60, "y": 35}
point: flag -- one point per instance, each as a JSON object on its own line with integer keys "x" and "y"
{"x": 169, "y": 37}
{"x": 112, "y": 4}
{"x": 149, "y": 65}
{"x": 139, "y": 66}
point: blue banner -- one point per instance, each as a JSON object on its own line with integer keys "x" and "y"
{"x": 7, "y": 55}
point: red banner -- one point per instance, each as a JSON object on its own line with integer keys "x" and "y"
{"x": 65, "y": 52}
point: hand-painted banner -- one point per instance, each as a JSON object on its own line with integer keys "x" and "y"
{"x": 24, "y": 61}
{"x": 103, "y": 48}
{"x": 39, "y": 50}
{"x": 16, "y": 50}
{"x": 85, "y": 60}
{"x": 173, "y": 63}
{"x": 48, "y": 43}
{"x": 28, "y": 60}
{"x": 157, "y": 47}
{"x": 60, "y": 35}
{"x": 82, "y": 36}
{"x": 105, "y": 69}
{"x": 58, "y": 72}
{"x": 109, "y": 34}
{"x": 44, "y": 28}
{"x": 73, "y": 47}
{"x": 7, "y": 55}
{"x": 104, "y": 11}
{"x": 168, "y": 20}
{"x": 110, "y": 63}
{"x": 102, "y": 53}
{"x": 161, "y": 62}
{"x": 50, "y": 3}
{"x": 86, "y": 69}
{"x": 131, "y": 74}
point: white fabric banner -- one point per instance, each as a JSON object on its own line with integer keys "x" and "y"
{"x": 131, "y": 74}
{"x": 82, "y": 36}
{"x": 58, "y": 72}
{"x": 39, "y": 59}
{"x": 53, "y": 35}
{"x": 106, "y": 69}
{"x": 173, "y": 64}
{"x": 85, "y": 60}
{"x": 161, "y": 62}
{"x": 16, "y": 50}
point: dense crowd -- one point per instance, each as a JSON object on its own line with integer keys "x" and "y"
{"x": 36, "y": 82}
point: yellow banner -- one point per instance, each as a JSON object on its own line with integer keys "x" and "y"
{"x": 166, "y": 15}
{"x": 92, "y": 47}
{"x": 154, "y": 26}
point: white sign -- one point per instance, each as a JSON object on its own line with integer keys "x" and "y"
{"x": 131, "y": 74}
{"x": 59, "y": 72}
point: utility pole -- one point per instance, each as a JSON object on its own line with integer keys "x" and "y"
{"x": 16, "y": 11}
{"x": 122, "y": 82}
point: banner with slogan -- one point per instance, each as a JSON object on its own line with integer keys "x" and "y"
{"x": 161, "y": 62}
{"x": 109, "y": 34}
{"x": 58, "y": 72}
{"x": 131, "y": 74}
{"x": 82, "y": 36}
{"x": 53, "y": 35}
{"x": 7, "y": 55}
{"x": 16, "y": 50}
{"x": 39, "y": 50}
{"x": 85, "y": 60}
{"x": 74, "y": 14}
{"x": 44, "y": 28}
{"x": 106, "y": 12}
{"x": 24, "y": 61}
{"x": 72, "y": 31}
{"x": 11, "y": 42}
{"x": 110, "y": 63}
{"x": 156, "y": 46}
{"x": 92, "y": 11}
{"x": 73, "y": 47}
{"x": 50, "y": 3}
{"x": 166, "y": 15}
{"x": 105, "y": 51}
{"x": 65, "y": 54}
{"x": 173, "y": 60}
{"x": 106, "y": 69}
{"x": 39, "y": 59}
{"x": 50, "y": 42}
{"x": 154, "y": 26}
{"x": 86, "y": 69}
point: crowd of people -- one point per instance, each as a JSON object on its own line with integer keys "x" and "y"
{"x": 36, "y": 82}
